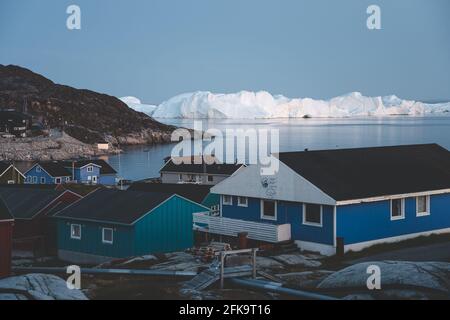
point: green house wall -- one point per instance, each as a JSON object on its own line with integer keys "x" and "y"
{"x": 168, "y": 228}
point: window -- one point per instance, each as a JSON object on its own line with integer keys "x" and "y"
{"x": 58, "y": 180}
{"x": 397, "y": 209}
{"x": 107, "y": 235}
{"x": 35, "y": 180}
{"x": 215, "y": 210}
{"x": 42, "y": 180}
{"x": 90, "y": 169}
{"x": 180, "y": 177}
{"x": 210, "y": 178}
{"x": 242, "y": 201}
{"x": 11, "y": 182}
{"x": 268, "y": 210}
{"x": 75, "y": 231}
{"x": 29, "y": 179}
{"x": 227, "y": 200}
{"x": 67, "y": 179}
{"x": 312, "y": 215}
{"x": 38, "y": 169}
{"x": 423, "y": 206}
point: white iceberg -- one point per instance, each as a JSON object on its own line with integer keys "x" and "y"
{"x": 263, "y": 105}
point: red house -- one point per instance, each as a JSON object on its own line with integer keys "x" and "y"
{"x": 6, "y": 231}
{"x": 31, "y": 209}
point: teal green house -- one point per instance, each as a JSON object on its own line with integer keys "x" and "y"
{"x": 111, "y": 224}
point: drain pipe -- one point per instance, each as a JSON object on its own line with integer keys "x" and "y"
{"x": 92, "y": 271}
{"x": 277, "y": 288}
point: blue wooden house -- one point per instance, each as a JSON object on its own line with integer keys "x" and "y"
{"x": 110, "y": 224}
{"x": 84, "y": 171}
{"x": 338, "y": 200}
{"x": 51, "y": 172}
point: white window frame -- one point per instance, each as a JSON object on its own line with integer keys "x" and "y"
{"x": 35, "y": 180}
{"x": 103, "y": 236}
{"x": 263, "y": 217}
{"x": 225, "y": 203}
{"x": 210, "y": 178}
{"x": 72, "y": 236}
{"x": 90, "y": 169}
{"x": 38, "y": 169}
{"x": 58, "y": 179}
{"x": 180, "y": 177}
{"x": 428, "y": 202}
{"x": 11, "y": 182}
{"x": 240, "y": 204}
{"x": 43, "y": 180}
{"x": 312, "y": 224}
{"x": 402, "y": 217}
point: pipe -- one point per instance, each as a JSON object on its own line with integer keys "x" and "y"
{"x": 92, "y": 271}
{"x": 277, "y": 288}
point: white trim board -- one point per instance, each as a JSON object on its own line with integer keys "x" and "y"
{"x": 356, "y": 247}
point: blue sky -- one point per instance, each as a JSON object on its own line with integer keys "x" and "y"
{"x": 155, "y": 49}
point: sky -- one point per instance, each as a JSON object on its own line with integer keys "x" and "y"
{"x": 156, "y": 49}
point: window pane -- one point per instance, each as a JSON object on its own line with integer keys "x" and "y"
{"x": 312, "y": 214}
{"x": 269, "y": 208}
{"x": 422, "y": 204}
{"x": 107, "y": 235}
{"x": 397, "y": 208}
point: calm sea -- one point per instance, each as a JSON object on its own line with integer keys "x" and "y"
{"x": 298, "y": 134}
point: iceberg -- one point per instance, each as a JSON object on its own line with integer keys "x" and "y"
{"x": 263, "y": 105}
{"x": 136, "y": 104}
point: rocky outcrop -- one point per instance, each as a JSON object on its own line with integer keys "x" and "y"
{"x": 87, "y": 116}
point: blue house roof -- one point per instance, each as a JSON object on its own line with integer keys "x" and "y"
{"x": 114, "y": 206}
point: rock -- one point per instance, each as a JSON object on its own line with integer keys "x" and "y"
{"x": 297, "y": 260}
{"x": 180, "y": 261}
{"x": 38, "y": 287}
{"x": 431, "y": 277}
{"x": 306, "y": 279}
{"x": 268, "y": 263}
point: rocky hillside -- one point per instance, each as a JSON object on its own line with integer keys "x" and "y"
{"x": 85, "y": 115}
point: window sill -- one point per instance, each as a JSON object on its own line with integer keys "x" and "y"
{"x": 310, "y": 224}
{"x": 397, "y": 218}
{"x": 423, "y": 214}
{"x": 269, "y": 218}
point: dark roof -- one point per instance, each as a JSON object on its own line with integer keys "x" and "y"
{"x": 114, "y": 206}
{"x": 193, "y": 192}
{"x": 105, "y": 166}
{"x": 3, "y": 166}
{"x": 4, "y": 211}
{"x": 12, "y": 114}
{"x": 350, "y": 174}
{"x": 225, "y": 169}
{"x": 55, "y": 169}
{"x": 25, "y": 203}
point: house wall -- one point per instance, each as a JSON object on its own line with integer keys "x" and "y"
{"x": 168, "y": 228}
{"x": 48, "y": 179}
{"x": 91, "y": 240}
{"x": 365, "y": 222}
{"x": 6, "y": 229}
{"x": 173, "y": 178}
{"x": 11, "y": 175}
{"x": 287, "y": 213}
{"x": 108, "y": 179}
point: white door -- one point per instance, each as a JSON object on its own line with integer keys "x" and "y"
{"x": 94, "y": 179}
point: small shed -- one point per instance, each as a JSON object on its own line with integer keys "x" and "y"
{"x": 6, "y": 230}
{"x": 110, "y": 224}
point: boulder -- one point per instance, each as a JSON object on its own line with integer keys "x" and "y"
{"x": 37, "y": 287}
